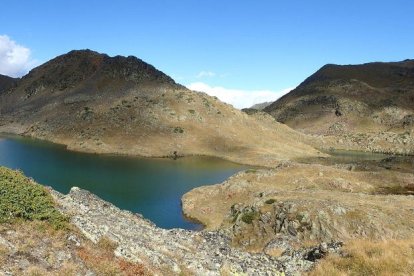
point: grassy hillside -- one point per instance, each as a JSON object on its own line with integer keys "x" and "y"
{"x": 351, "y": 98}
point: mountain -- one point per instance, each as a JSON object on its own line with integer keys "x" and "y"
{"x": 6, "y": 83}
{"x": 256, "y": 108}
{"x": 339, "y": 99}
{"x": 95, "y": 103}
{"x": 261, "y": 106}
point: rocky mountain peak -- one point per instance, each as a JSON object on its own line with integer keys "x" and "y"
{"x": 80, "y": 67}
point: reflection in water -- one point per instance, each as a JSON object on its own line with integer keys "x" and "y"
{"x": 152, "y": 187}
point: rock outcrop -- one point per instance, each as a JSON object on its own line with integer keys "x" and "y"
{"x": 174, "y": 251}
{"x": 296, "y": 203}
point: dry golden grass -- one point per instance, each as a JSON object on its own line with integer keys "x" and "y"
{"x": 102, "y": 260}
{"x": 38, "y": 240}
{"x": 275, "y": 252}
{"x": 3, "y": 253}
{"x": 365, "y": 257}
{"x": 34, "y": 241}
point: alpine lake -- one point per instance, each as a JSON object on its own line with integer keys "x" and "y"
{"x": 152, "y": 187}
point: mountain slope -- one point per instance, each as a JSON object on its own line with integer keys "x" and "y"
{"x": 363, "y": 98}
{"x": 96, "y": 103}
{"x": 6, "y": 83}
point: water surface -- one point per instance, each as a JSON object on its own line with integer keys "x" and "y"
{"x": 365, "y": 161}
{"x": 152, "y": 187}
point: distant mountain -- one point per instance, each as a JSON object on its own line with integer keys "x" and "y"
{"x": 6, "y": 83}
{"x": 257, "y": 108}
{"x": 96, "y": 103}
{"x": 371, "y": 97}
{"x": 261, "y": 106}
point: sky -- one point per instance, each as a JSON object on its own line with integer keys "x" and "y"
{"x": 243, "y": 51}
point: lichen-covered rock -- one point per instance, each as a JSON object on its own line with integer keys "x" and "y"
{"x": 169, "y": 251}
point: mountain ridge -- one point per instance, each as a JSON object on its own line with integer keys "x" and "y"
{"x": 337, "y": 90}
{"x": 368, "y": 107}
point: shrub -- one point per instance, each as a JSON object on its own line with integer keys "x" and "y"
{"x": 249, "y": 216}
{"x": 251, "y": 171}
{"x": 270, "y": 201}
{"x": 22, "y": 198}
{"x": 178, "y": 130}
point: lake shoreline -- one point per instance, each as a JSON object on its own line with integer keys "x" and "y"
{"x": 130, "y": 182}
{"x": 130, "y": 155}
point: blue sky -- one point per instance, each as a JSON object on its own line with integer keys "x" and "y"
{"x": 243, "y": 48}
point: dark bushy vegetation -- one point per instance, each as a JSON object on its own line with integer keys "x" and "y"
{"x": 249, "y": 216}
{"x": 22, "y": 198}
{"x": 270, "y": 201}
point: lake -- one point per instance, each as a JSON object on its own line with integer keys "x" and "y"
{"x": 364, "y": 161}
{"x": 151, "y": 187}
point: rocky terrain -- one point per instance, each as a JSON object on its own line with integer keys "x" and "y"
{"x": 6, "y": 82}
{"x": 401, "y": 143}
{"x": 294, "y": 204}
{"x": 34, "y": 248}
{"x": 281, "y": 221}
{"x": 97, "y": 238}
{"x": 175, "y": 251}
{"x": 364, "y": 107}
{"x": 95, "y": 103}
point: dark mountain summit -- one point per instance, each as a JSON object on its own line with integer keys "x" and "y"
{"x": 81, "y": 75}
{"x": 91, "y": 69}
{"x": 350, "y": 98}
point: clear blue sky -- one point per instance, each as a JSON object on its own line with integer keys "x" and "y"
{"x": 247, "y": 44}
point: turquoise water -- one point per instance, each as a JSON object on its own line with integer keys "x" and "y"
{"x": 152, "y": 187}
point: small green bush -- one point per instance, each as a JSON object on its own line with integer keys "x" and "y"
{"x": 178, "y": 130}
{"x": 249, "y": 216}
{"x": 21, "y": 198}
{"x": 270, "y": 201}
{"x": 251, "y": 171}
